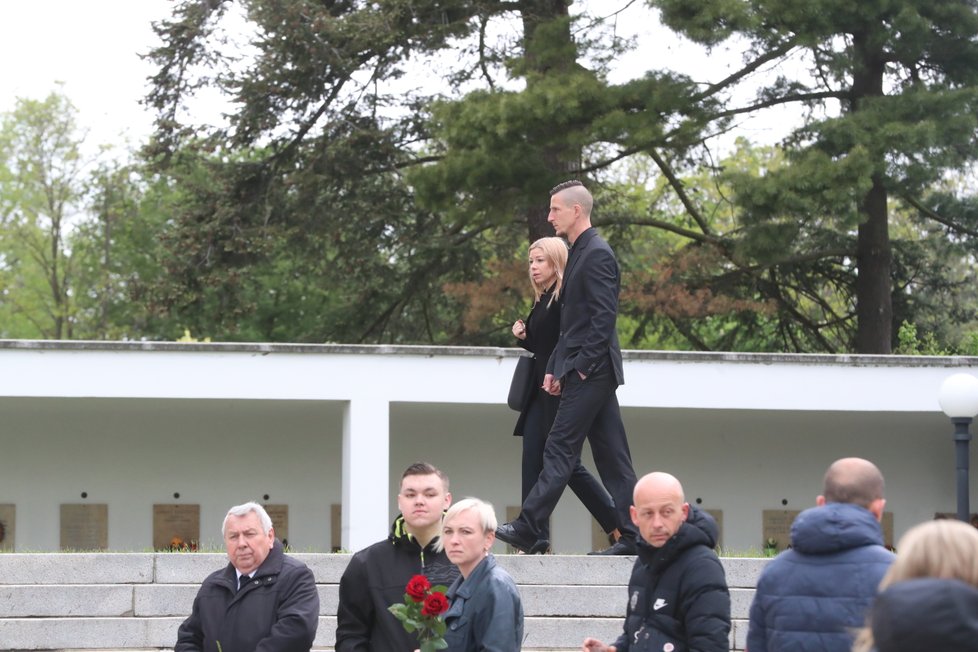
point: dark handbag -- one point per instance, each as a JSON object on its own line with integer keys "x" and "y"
{"x": 522, "y": 383}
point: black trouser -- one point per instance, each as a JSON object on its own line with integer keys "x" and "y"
{"x": 539, "y": 418}
{"x": 589, "y": 410}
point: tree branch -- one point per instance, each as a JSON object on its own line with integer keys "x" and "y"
{"x": 483, "y": 22}
{"x": 767, "y": 57}
{"x": 937, "y": 217}
{"x": 666, "y": 226}
{"x": 784, "y": 99}
{"x": 677, "y": 186}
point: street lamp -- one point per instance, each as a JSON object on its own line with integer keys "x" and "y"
{"x": 959, "y": 400}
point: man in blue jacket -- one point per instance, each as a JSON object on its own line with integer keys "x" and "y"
{"x": 810, "y": 598}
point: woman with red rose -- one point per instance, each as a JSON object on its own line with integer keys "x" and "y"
{"x": 485, "y": 610}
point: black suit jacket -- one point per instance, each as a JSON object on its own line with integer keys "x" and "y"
{"x": 589, "y": 311}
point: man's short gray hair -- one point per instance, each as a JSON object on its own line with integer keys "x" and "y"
{"x": 242, "y": 510}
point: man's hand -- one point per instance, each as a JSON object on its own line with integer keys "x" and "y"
{"x": 594, "y": 645}
{"x": 551, "y": 385}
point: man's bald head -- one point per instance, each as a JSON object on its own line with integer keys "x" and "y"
{"x": 659, "y": 508}
{"x": 658, "y": 484}
{"x": 853, "y": 480}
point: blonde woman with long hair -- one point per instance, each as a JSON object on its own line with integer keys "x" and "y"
{"x": 944, "y": 549}
{"x": 538, "y": 334}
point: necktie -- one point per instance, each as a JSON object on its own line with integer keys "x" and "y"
{"x": 243, "y": 581}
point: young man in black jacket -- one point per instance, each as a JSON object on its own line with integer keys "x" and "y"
{"x": 377, "y": 575}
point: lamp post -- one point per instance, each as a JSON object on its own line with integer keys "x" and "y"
{"x": 959, "y": 400}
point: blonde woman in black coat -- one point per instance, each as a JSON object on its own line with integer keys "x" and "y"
{"x": 538, "y": 334}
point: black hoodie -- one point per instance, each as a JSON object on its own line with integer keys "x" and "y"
{"x": 375, "y": 579}
{"x": 678, "y": 593}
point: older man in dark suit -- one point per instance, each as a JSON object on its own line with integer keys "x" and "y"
{"x": 585, "y": 369}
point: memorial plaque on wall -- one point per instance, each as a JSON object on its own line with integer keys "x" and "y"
{"x": 717, "y": 515}
{"x": 335, "y": 527}
{"x": 776, "y": 533}
{"x": 777, "y": 528}
{"x": 887, "y": 523}
{"x": 176, "y": 527}
{"x": 84, "y": 526}
{"x": 939, "y": 515}
{"x": 8, "y": 523}
{"x": 280, "y": 522}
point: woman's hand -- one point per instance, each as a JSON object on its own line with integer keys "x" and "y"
{"x": 519, "y": 329}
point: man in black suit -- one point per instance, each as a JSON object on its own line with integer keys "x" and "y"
{"x": 585, "y": 369}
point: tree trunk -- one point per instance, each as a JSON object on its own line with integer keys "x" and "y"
{"x": 874, "y": 305}
{"x": 874, "y": 302}
{"x": 537, "y": 224}
{"x": 548, "y": 51}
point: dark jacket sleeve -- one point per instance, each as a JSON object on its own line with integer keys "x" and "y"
{"x": 600, "y": 282}
{"x": 621, "y": 645}
{"x": 706, "y": 607}
{"x": 296, "y": 614}
{"x": 355, "y": 613}
{"x": 190, "y": 635}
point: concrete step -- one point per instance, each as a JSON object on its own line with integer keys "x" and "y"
{"x": 136, "y": 601}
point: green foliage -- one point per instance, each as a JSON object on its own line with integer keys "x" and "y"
{"x": 907, "y": 117}
{"x": 339, "y": 203}
{"x": 910, "y": 344}
{"x": 41, "y": 190}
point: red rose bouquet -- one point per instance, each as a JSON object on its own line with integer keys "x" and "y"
{"x": 422, "y": 612}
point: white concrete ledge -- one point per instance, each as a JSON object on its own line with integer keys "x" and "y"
{"x": 87, "y": 633}
{"x": 164, "y": 600}
{"x": 76, "y": 568}
{"x": 571, "y": 570}
{"x": 18, "y": 601}
{"x": 572, "y": 601}
{"x": 740, "y": 600}
{"x": 568, "y": 633}
{"x": 742, "y": 572}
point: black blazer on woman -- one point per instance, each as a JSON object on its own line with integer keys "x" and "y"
{"x": 542, "y": 331}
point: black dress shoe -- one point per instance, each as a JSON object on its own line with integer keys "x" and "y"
{"x": 507, "y": 533}
{"x": 541, "y": 547}
{"x": 621, "y": 547}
